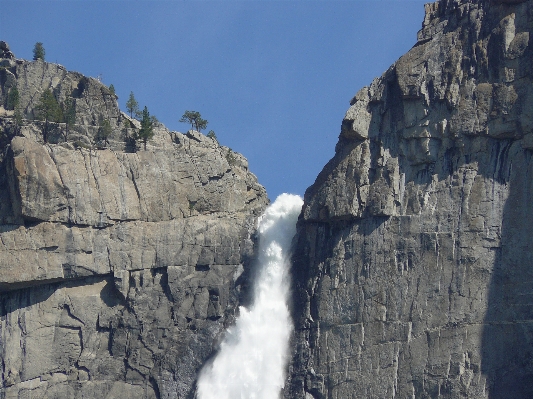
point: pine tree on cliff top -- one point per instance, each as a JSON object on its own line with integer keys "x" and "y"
{"x": 38, "y": 51}
{"x": 132, "y": 105}
{"x": 48, "y": 110}
{"x": 195, "y": 119}
{"x": 13, "y": 98}
{"x": 147, "y": 129}
{"x": 104, "y": 131}
{"x": 13, "y": 103}
{"x": 69, "y": 114}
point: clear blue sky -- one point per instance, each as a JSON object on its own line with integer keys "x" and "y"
{"x": 273, "y": 78}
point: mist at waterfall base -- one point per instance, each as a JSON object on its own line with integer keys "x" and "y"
{"x": 253, "y": 355}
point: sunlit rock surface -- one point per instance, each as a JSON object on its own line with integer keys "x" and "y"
{"x": 119, "y": 271}
{"x": 413, "y": 270}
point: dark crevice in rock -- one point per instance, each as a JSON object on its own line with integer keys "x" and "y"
{"x": 71, "y": 271}
{"x": 67, "y": 308}
{"x": 155, "y": 387}
{"x": 164, "y": 283}
{"x": 49, "y": 249}
{"x": 135, "y": 185}
{"x": 31, "y": 222}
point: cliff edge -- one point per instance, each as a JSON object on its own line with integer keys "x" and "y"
{"x": 119, "y": 269}
{"x": 413, "y": 266}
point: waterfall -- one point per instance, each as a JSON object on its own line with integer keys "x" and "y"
{"x": 253, "y": 354}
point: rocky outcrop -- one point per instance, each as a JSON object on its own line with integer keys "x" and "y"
{"x": 118, "y": 270}
{"x": 413, "y": 260}
{"x": 93, "y": 101}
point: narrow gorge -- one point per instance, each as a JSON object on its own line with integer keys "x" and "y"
{"x": 124, "y": 273}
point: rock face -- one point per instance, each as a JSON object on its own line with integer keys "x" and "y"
{"x": 118, "y": 270}
{"x": 413, "y": 267}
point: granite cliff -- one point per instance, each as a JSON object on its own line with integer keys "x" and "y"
{"x": 119, "y": 270}
{"x": 413, "y": 265}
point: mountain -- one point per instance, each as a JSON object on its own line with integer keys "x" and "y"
{"x": 119, "y": 269}
{"x": 412, "y": 268}
{"x": 413, "y": 263}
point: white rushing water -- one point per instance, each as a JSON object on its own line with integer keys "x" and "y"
{"x": 253, "y": 355}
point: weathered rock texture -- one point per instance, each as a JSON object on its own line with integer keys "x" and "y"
{"x": 413, "y": 269}
{"x": 118, "y": 271}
